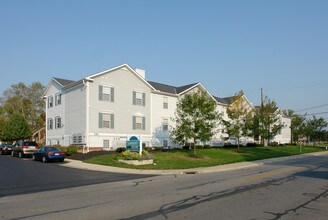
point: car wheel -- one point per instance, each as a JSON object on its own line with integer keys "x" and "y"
{"x": 62, "y": 160}
{"x": 20, "y": 154}
{"x": 44, "y": 159}
{"x": 12, "y": 154}
{"x": 33, "y": 158}
{"x": 0, "y": 152}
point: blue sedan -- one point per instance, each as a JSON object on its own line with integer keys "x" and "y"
{"x": 49, "y": 153}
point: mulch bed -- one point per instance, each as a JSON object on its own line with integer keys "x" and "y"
{"x": 81, "y": 156}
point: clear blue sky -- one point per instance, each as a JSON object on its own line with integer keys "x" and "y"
{"x": 278, "y": 45}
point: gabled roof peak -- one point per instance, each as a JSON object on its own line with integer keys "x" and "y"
{"x": 63, "y": 82}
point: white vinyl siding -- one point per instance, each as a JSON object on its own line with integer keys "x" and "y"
{"x": 139, "y": 123}
{"x": 106, "y": 93}
{"x": 106, "y": 120}
{"x": 139, "y": 98}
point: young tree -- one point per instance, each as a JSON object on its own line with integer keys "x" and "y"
{"x": 16, "y": 129}
{"x": 297, "y": 124}
{"x": 196, "y": 118}
{"x": 239, "y": 114}
{"x": 314, "y": 129}
{"x": 268, "y": 120}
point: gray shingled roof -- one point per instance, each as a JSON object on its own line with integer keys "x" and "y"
{"x": 170, "y": 89}
{"x": 226, "y": 100}
{"x": 63, "y": 82}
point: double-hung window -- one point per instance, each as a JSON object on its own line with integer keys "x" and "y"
{"x": 165, "y": 124}
{"x": 165, "y": 102}
{"x": 139, "y": 123}
{"x": 58, "y": 99}
{"x": 50, "y": 101}
{"x": 139, "y": 98}
{"x": 50, "y": 123}
{"x": 58, "y": 123}
{"x": 106, "y": 120}
{"x": 106, "y": 93}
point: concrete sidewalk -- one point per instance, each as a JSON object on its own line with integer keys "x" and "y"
{"x": 234, "y": 166}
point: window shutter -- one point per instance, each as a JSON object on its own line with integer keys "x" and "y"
{"x": 134, "y": 97}
{"x": 112, "y": 121}
{"x": 56, "y": 100}
{"x": 112, "y": 94}
{"x": 144, "y": 99}
{"x": 100, "y": 93}
{"x": 100, "y": 120}
{"x": 134, "y": 122}
{"x": 143, "y": 123}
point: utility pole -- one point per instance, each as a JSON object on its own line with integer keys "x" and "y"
{"x": 261, "y": 99}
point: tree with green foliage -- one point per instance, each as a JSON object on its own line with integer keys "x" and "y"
{"x": 240, "y": 115}
{"x": 16, "y": 128}
{"x": 26, "y": 101}
{"x": 315, "y": 129}
{"x": 297, "y": 124}
{"x": 196, "y": 118}
{"x": 267, "y": 122}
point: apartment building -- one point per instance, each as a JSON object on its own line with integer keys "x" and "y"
{"x": 103, "y": 110}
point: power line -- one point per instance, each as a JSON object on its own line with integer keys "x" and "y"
{"x": 311, "y": 108}
{"x": 318, "y": 113}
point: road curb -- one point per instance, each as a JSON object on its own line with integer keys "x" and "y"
{"x": 220, "y": 168}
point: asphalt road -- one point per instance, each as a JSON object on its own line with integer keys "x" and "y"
{"x": 21, "y": 176}
{"x": 293, "y": 189}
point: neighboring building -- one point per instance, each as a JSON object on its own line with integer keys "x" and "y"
{"x": 103, "y": 110}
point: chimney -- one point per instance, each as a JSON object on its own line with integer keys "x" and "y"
{"x": 141, "y": 73}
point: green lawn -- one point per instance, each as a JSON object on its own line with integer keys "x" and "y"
{"x": 179, "y": 159}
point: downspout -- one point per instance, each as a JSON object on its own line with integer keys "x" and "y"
{"x": 87, "y": 116}
{"x": 46, "y": 119}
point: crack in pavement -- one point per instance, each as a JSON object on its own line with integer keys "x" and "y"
{"x": 144, "y": 181}
{"x": 203, "y": 184}
{"x": 198, "y": 199}
{"x": 303, "y": 205}
{"x": 59, "y": 211}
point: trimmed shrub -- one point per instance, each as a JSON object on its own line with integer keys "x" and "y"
{"x": 146, "y": 149}
{"x": 252, "y": 145}
{"x": 71, "y": 150}
{"x": 120, "y": 149}
{"x": 207, "y": 146}
{"x": 128, "y": 155}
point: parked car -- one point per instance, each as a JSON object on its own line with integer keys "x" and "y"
{"x": 5, "y": 148}
{"x": 49, "y": 153}
{"x": 24, "y": 148}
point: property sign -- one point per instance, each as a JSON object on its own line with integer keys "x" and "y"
{"x": 133, "y": 144}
